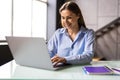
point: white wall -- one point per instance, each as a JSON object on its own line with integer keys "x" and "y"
{"x": 98, "y": 13}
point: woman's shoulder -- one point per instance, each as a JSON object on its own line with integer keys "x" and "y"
{"x": 90, "y": 30}
{"x": 87, "y": 30}
{"x": 60, "y": 31}
{"x": 90, "y": 33}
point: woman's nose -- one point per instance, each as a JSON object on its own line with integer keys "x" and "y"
{"x": 66, "y": 20}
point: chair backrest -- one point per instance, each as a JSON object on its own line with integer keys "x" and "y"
{"x": 5, "y": 54}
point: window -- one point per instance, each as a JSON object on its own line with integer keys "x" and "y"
{"x": 39, "y": 17}
{"x": 22, "y": 18}
{"x": 5, "y": 18}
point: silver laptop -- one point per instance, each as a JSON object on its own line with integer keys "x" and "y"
{"x": 30, "y": 51}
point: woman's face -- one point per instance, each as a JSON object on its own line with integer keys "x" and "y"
{"x": 69, "y": 19}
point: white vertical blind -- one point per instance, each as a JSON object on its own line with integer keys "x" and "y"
{"x": 39, "y": 19}
{"x": 29, "y": 19}
{"x": 22, "y": 17}
{"x": 5, "y": 18}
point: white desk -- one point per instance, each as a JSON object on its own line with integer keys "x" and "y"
{"x": 72, "y": 72}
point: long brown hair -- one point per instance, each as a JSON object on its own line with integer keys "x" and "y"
{"x": 73, "y": 7}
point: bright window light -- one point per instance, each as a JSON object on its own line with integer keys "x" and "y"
{"x": 39, "y": 19}
{"x": 21, "y": 18}
{"x": 5, "y": 18}
{"x": 22, "y": 10}
{"x": 29, "y": 18}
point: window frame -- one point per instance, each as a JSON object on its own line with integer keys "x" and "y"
{"x": 12, "y": 18}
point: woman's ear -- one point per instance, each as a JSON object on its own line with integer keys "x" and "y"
{"x": 78, "y": 16}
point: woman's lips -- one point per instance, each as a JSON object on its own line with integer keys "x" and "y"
{"x": 68, "y": 25}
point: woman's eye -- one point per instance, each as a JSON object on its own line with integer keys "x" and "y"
{"x": 66, "y": 18}
{"x": 62, "y": 18}
{"x": 69, "y": 17}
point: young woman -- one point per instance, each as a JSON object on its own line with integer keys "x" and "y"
{"x": 72, "y": 44}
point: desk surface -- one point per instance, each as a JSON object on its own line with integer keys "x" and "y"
{"x": 72, "y": 72}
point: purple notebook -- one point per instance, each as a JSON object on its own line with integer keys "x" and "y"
{"x": 97, "y": 70}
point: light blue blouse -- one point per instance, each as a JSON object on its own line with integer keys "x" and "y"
{"x": 79, "y": 51}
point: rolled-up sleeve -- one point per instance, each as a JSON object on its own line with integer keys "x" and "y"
{"x": 52, "y": 46}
